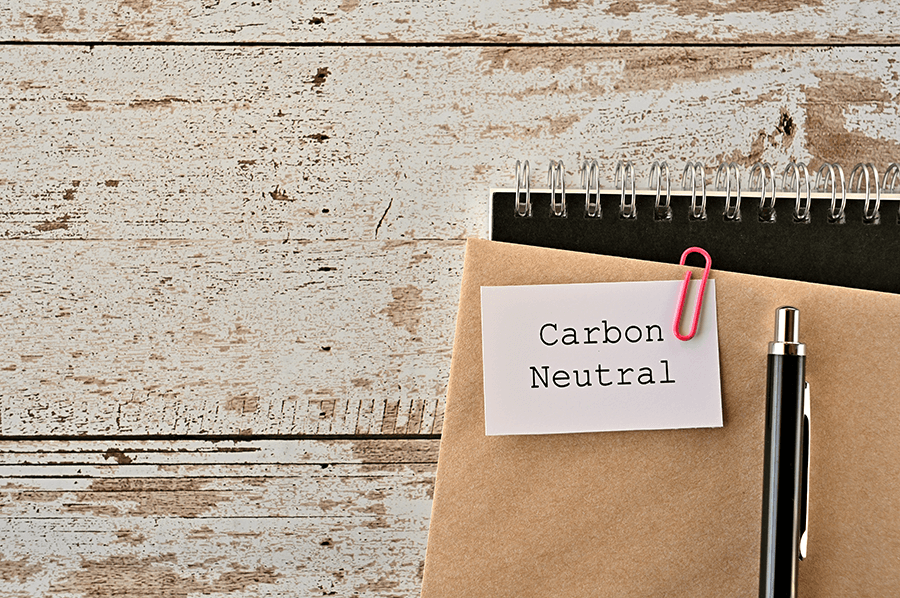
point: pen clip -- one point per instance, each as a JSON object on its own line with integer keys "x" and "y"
{"x": 804, "y": 479}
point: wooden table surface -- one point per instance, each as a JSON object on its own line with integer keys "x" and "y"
{"x": 232, "y": 240}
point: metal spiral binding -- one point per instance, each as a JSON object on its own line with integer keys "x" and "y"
{"x": 893, "y": 168}
{"x": 556, "y": 175}
{"x": 698, "y": 172}
{"x": 863, "y": 169}
{"x": 590, "y": 173}
{"x": 796, "y": 184}
{"x": 662, "y": 211}
{"x": 765, "y": 175}
{"x": 801, "y": 210}
{"x": 629, "y": 209}
{"x": 834, "y": 216}
{"x": 523, "y": 173}
{"x": 730, "y": 171}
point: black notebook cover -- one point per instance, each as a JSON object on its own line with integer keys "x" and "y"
{"x": 850, "y": 253}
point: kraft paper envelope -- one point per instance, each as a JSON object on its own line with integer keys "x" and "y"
{"x": 672, "y": 513}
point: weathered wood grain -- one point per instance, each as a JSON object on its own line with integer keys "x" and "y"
{"x": 226, "y": 331}
{"x": 180, "y": 518}
{"x": 221, "y": 338}
{"x": 537, "y": 21}
{"x": 395, "y": 143}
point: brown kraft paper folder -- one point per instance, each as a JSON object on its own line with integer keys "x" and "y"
{"x": 673, "y": 512}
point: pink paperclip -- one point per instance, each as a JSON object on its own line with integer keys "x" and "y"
{"x": 679, "y": 309}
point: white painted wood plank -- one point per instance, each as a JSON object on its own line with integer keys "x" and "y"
{"x": 284, "y": 557}
{"x": 395, "y": 143}
{"x": 535, "y": 21}
{"x": 223, "y": 338}
{"x": 198, "y": 497}
{"x": 221, "y": 529}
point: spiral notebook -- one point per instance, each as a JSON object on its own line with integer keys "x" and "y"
{"x": 822, "y": 227}
{"x": 673, "y": 512}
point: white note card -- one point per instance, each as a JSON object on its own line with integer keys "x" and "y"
{"x": 597, "y": 357}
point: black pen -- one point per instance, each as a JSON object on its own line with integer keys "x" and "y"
{"x": 786, "y": 469}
